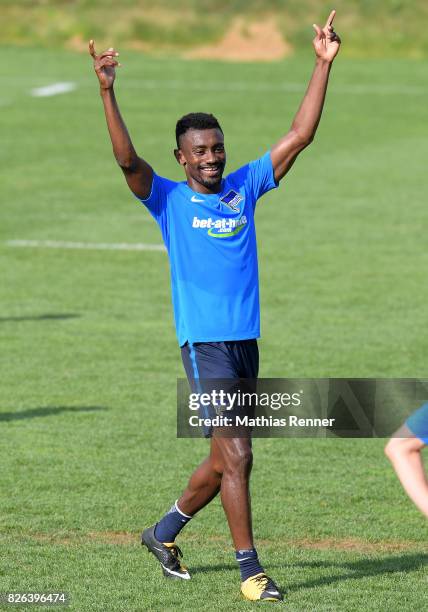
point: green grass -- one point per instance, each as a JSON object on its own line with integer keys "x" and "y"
{"x": 89, "y": 359}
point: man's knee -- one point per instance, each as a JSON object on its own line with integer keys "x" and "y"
{"x": 217, "y": 464}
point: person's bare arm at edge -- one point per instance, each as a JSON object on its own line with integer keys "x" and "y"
{"x": 284, "y": 153}
{"x": 138, "y": 173}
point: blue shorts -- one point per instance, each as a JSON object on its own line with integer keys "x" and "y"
{"x": 231, "y": 361}
{"x": 418, "y": 423}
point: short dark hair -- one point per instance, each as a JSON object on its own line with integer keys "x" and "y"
{"x": 195, "y": 121}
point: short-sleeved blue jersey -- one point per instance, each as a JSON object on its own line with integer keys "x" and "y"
{"x": 211, "y": 243}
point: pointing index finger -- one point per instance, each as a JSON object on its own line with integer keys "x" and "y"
{"x": 92, "y": 49}
{"x": 330, "y": 18}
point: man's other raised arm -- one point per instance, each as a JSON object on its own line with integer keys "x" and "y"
{"x": 138, "y": 173}
{"x": 284, "y": 153}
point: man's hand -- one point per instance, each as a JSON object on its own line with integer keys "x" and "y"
{"x": 104, "y": 65}
{"x": 326, "y": 42}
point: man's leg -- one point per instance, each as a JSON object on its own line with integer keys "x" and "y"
{"x": 228, "y": 469}
{"x": 237, "y": 461}
{"x": 204, "y": 484}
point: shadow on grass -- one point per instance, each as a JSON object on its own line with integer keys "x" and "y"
{"x": 363, "y": 568}
{"x": 32, "y": 413}
{"x": 44, "y": 317}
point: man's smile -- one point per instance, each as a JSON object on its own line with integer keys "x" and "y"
{"x": 212, "y": 170}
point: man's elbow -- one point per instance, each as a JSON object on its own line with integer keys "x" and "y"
{"x": 299, "y": 139}
{"x": 126, "y": 162}
{"x": 304, "y": 139}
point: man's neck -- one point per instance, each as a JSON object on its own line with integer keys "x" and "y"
{"x": 199, "y": 188}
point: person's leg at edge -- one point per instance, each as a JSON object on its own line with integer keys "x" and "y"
{"x": 406, "y": 458}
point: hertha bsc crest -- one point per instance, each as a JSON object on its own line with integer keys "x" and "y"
{"x": 232, "y": 199}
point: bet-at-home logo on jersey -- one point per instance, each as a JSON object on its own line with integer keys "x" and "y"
{"x": 220, "y": 228}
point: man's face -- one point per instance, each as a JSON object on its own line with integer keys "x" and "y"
{"x": 203, "y": 157}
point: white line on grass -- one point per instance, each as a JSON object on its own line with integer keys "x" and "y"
{"x": 53, "y": 89}
{"x": 242, "y": 86}
{"x": 91, "y": 246}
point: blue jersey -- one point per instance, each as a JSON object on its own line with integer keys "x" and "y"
{"x": 211, "y": 243}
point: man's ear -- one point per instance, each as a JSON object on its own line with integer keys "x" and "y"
{"x": 179, "y": 157}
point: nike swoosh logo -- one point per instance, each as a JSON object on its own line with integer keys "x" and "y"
{"x": 272, "y": 592}
{"x": 184, "y": 575}
{"x": 244, "y": 559}
{"x": 195, "y": 199}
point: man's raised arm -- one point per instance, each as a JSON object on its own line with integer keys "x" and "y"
{"x": 326, "y": 44}
{"x": 138, "y": 173}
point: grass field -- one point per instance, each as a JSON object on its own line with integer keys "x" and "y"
{"x": 369, "y": 29}
{"x": 89, "y": 359}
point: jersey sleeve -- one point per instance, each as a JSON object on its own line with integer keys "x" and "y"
{"x": 261, "y": 176}
{"x": 156, "y": 200}
{"x": 156, "y": 203}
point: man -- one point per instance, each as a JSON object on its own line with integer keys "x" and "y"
{"x": 404, "y": 450}
{"x": 207, "y": 224}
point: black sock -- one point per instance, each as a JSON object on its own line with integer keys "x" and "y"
{"x": 249, "y": 564}
{"x": 171, "y": 524}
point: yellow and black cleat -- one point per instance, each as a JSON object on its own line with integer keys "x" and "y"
{"x": 260, "y": 587}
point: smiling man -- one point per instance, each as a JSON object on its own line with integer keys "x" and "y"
{"x": 207, "y": 224}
